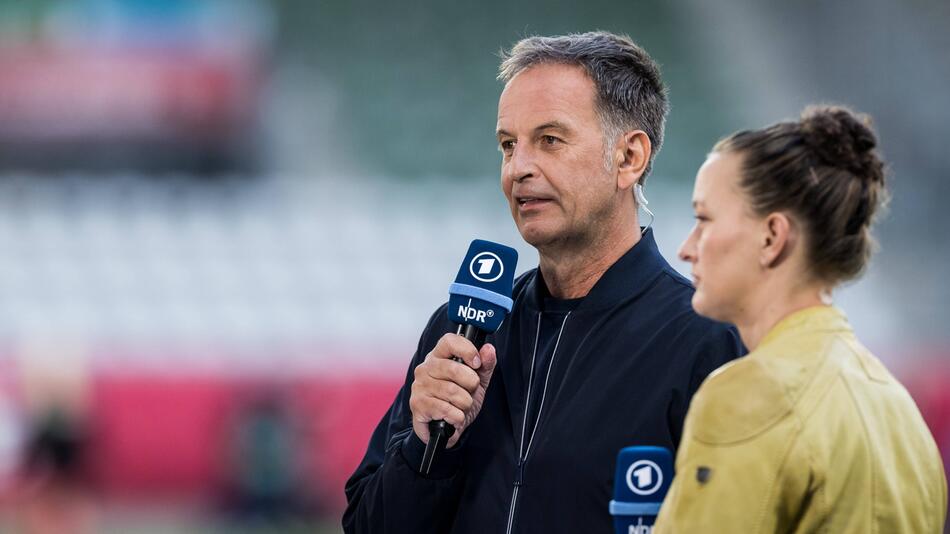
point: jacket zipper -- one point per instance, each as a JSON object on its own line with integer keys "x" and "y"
{"x": 522, "y": 450}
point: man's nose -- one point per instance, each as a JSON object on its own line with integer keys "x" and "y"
{"x": 522, "y": 164}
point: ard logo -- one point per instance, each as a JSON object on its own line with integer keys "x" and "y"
{"x": 644, "y": 477}
{"x": 486, "y": 267}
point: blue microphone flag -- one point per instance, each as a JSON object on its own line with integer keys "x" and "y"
{"x": 481, "y": 294}
{"x": 641, "y": 480}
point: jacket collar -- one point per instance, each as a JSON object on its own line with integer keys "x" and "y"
{"x": 626, "y": 278}
{"x": 828, "y": 319}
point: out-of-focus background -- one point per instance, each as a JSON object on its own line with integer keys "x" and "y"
{"x": 223, "y": 223}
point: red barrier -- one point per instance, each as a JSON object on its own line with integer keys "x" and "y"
{"x": 174, "y": 437}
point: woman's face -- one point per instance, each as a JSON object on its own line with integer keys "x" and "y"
{"x": 723, "y": 246}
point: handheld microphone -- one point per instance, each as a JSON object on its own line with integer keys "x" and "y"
{"x": 479, "y": 301}
{"x": 641, "y": 481}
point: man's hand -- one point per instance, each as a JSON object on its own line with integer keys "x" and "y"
{"x": 446, "y": 389}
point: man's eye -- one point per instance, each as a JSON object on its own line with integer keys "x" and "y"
{"x": 506, "y": 146}
{"x": 550, "y": 140}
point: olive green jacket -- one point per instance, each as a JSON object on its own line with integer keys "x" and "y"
{"x": 808, "y": 433}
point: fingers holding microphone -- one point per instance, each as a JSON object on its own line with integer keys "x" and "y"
{"x": 445, "y": 389}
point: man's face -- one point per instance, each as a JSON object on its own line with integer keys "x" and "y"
{"x": 553, "y": 170}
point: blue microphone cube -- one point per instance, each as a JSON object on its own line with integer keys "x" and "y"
{"x": 641, "y": 480}
{"x": 481, "y": 294}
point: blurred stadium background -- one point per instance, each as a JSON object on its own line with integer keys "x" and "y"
{"x": 223, "y": 223}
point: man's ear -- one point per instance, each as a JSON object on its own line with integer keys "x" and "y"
{"x": 778, "y": 240}
{"x": 632, "y": 156}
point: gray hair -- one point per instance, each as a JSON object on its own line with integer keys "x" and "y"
{"x": 630, "y": 93}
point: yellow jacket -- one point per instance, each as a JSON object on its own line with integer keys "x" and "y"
{"x": 808, "y": 433}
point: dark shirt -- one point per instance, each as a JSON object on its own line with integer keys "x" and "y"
{"x": 554, "y": 314}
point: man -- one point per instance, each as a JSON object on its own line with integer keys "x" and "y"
{"x": 602, "y": 349}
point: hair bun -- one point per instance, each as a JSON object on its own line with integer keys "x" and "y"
{"x": 843, "y": 139}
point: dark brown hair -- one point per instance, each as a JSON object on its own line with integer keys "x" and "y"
{"x": 824, "y": 170}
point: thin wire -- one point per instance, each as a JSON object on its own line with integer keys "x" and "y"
{"x": 650, "y": 213}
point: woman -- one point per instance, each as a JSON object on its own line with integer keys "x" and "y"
{"x": 809, "y": 432}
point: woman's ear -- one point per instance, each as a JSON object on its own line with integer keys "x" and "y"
{"x": 778, "y": 240}
{"x": 633, "y": 155}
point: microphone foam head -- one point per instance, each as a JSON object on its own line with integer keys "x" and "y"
{"x": 642, "y": 479}
{"x": 481, "y": 294}
{"x": 643, "y": 474}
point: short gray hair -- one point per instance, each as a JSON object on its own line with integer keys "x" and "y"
{"x": 630, "y": 93}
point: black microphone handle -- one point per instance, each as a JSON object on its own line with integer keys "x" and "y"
{"x": 440, "y": 431}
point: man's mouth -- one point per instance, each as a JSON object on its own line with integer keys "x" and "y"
{"x": 529, "y": 202}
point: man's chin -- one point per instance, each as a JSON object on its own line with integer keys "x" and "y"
{"x": 536, "y": 237}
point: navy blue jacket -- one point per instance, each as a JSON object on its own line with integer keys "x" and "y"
{"x": 630, "y": 357}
